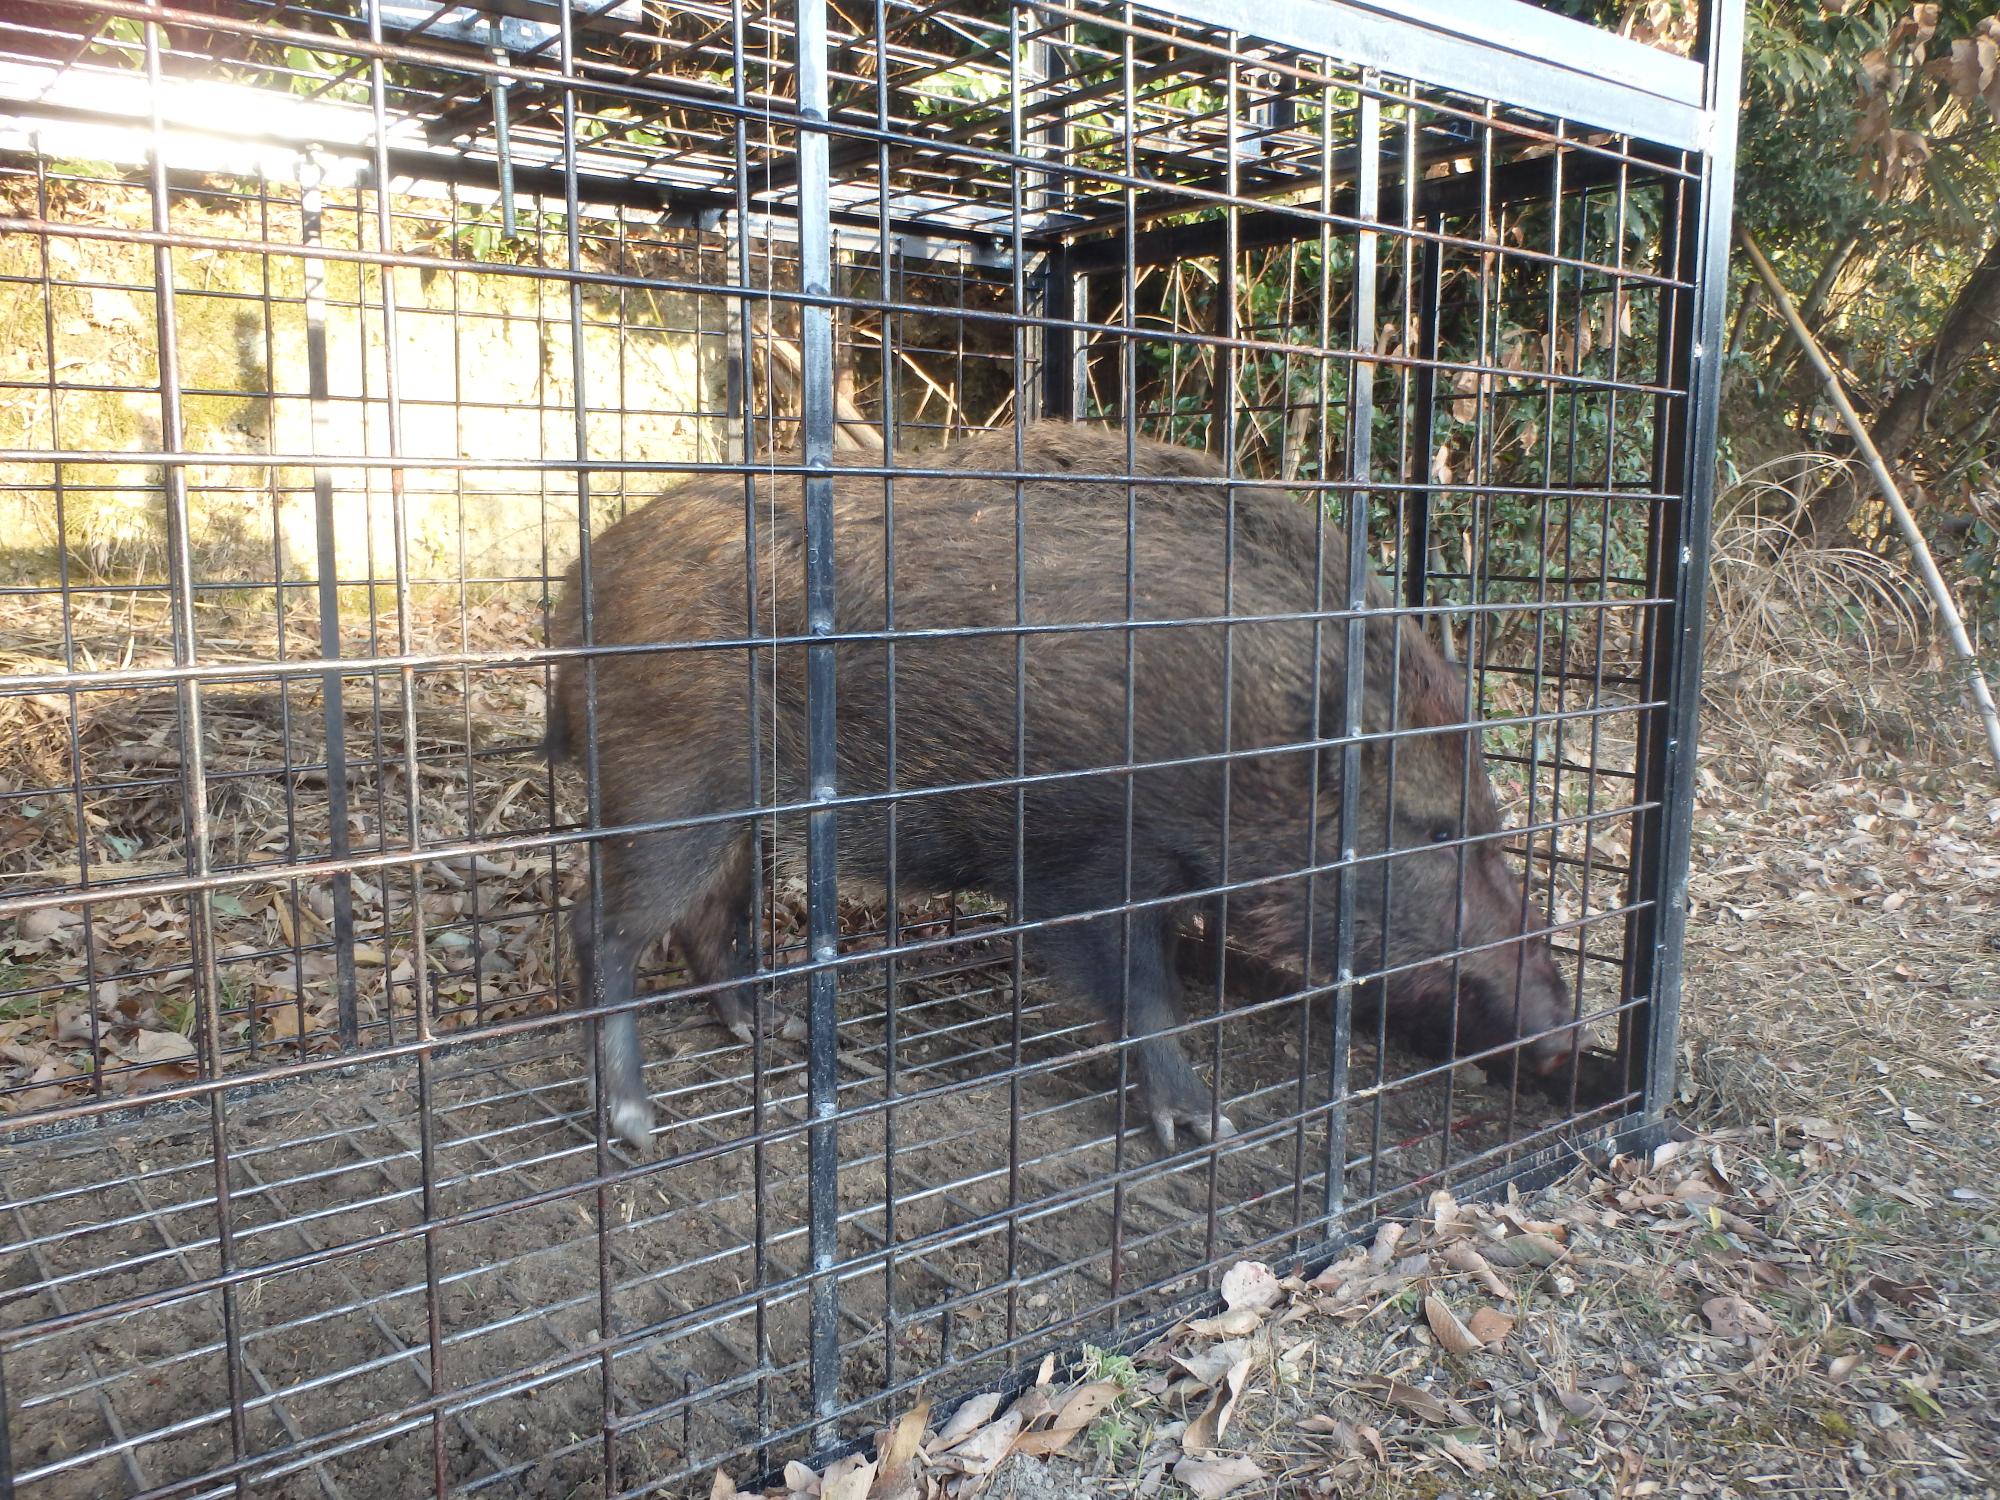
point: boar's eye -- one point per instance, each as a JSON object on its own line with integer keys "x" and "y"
{"x": 1443, "y": 835}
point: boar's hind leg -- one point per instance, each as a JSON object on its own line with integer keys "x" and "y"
{"x": 717, "y": 942}
{"x": 1087, "y": 955}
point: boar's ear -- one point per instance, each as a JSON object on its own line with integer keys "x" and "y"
{"x": 1430, "y": 692}
{"x": 1433, "y": 690}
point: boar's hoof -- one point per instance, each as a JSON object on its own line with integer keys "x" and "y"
{"x": 775, "y": 1026}
{"x": 1164, "y": 1126}
{"x": 769, "y": 1017}
{"x": 632, "y": 1123}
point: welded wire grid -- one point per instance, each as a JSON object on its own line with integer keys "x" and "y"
{"x": 335, "y": 330}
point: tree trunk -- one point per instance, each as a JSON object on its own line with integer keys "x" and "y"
{"x": 1970, "y": 324}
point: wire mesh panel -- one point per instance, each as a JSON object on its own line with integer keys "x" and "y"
{"x": 717, "y": 713}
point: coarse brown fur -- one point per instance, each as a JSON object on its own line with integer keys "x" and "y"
{"x": 676, "y": 740}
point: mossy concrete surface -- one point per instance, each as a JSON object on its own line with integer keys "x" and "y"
{"x": 485, "y": 381}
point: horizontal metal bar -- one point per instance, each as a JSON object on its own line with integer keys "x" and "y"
{"x": 419, "y": 172}
{"x": 299, "y": 668}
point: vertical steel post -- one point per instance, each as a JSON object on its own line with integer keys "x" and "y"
{"x": 199, "y": 847}
{"x": 1060, "y": 365}
{"x": 1222, "y": 420}
{"x": 742, "y": 448}
{"x": 1360, "y": 432}
{"x": 1061, "y": 395}
{"x": 1423, "y": 419}
{"x": 319, "y": 397}
{"x": 420, "y": 993}
{"x": 592, "y": 995}
{"x": 503, "y": 146}
{"x": 6, "y": 1435}
{"x": 822, "y": 884}
{"x": 1679, "y": 570}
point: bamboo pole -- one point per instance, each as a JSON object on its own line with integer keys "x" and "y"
{"x": 1927, "y": 569}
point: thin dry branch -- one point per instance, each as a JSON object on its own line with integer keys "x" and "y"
{"x": 1927, "y": 569}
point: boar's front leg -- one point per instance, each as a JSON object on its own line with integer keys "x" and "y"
{"x": 652, "y": 885}
{"x": 617, "y": 960}
{"x": 1090, "y": 957}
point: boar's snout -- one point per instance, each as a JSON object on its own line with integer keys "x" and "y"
{"x": 1518, "y": 992}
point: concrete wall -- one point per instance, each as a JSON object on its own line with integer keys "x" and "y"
{"x": 486, "y": 373}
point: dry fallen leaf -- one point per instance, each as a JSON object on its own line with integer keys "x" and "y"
{"x": 1206, "y": 1430}
{"x": 981, "y": 1452}
{"x": 1250, "y": 1285}
{"x": 849, "y": 1479}
{"x": 1904, "y": 1294}
{"x": 1490, "y": 1326}
{"x": 1211, "y": 1363}
{"x": 1045, "y": 1443}
{"x": 1452, "y": 1334}
{"x": 1473, "y": 1459}
{"x": 974, "y": 1414}
{"x": 1417, "y": 1400}
{"x": 285, "y": 1023}
{"x": 1732, "y": 1317}
{"x": 1583, "y": 1405}
{"x": 724, "y": 1488}
{"x": 45, "y": 1090}
{"x": 1340, "y": 1272}
{"x": 1087, "y": 1403}
{"x": 1384, "y": 1249}
{"x": 26, "y": 1054}
{"x": 1212, "y": 1478}
{"x": 1529, "y": 1249}
{"x": 1460, "y": 1256}
{"x": 46, "y": 921}
{"x": 1234, "y": 1324}
{"x": 1842, "y": 1367}
{"x": 1083, "y": 1406}
{"x": 154, "y": 1049}
{"x": 899, "y": 1444}
{"x": 1444, "y": 1209}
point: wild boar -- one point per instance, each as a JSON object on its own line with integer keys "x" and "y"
{"x": 1157, "y": 750}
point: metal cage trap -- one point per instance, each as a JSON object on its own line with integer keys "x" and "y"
{"x": 335, "y": 331}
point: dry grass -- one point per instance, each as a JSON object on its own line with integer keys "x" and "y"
{"x": 1817, "y": 639}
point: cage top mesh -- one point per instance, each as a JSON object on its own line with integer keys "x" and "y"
{"x": 637, "y": 106}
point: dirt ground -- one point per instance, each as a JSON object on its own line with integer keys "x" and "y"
{"x": 110, "y": 1228}
{"x": 1800, "y": 1297}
